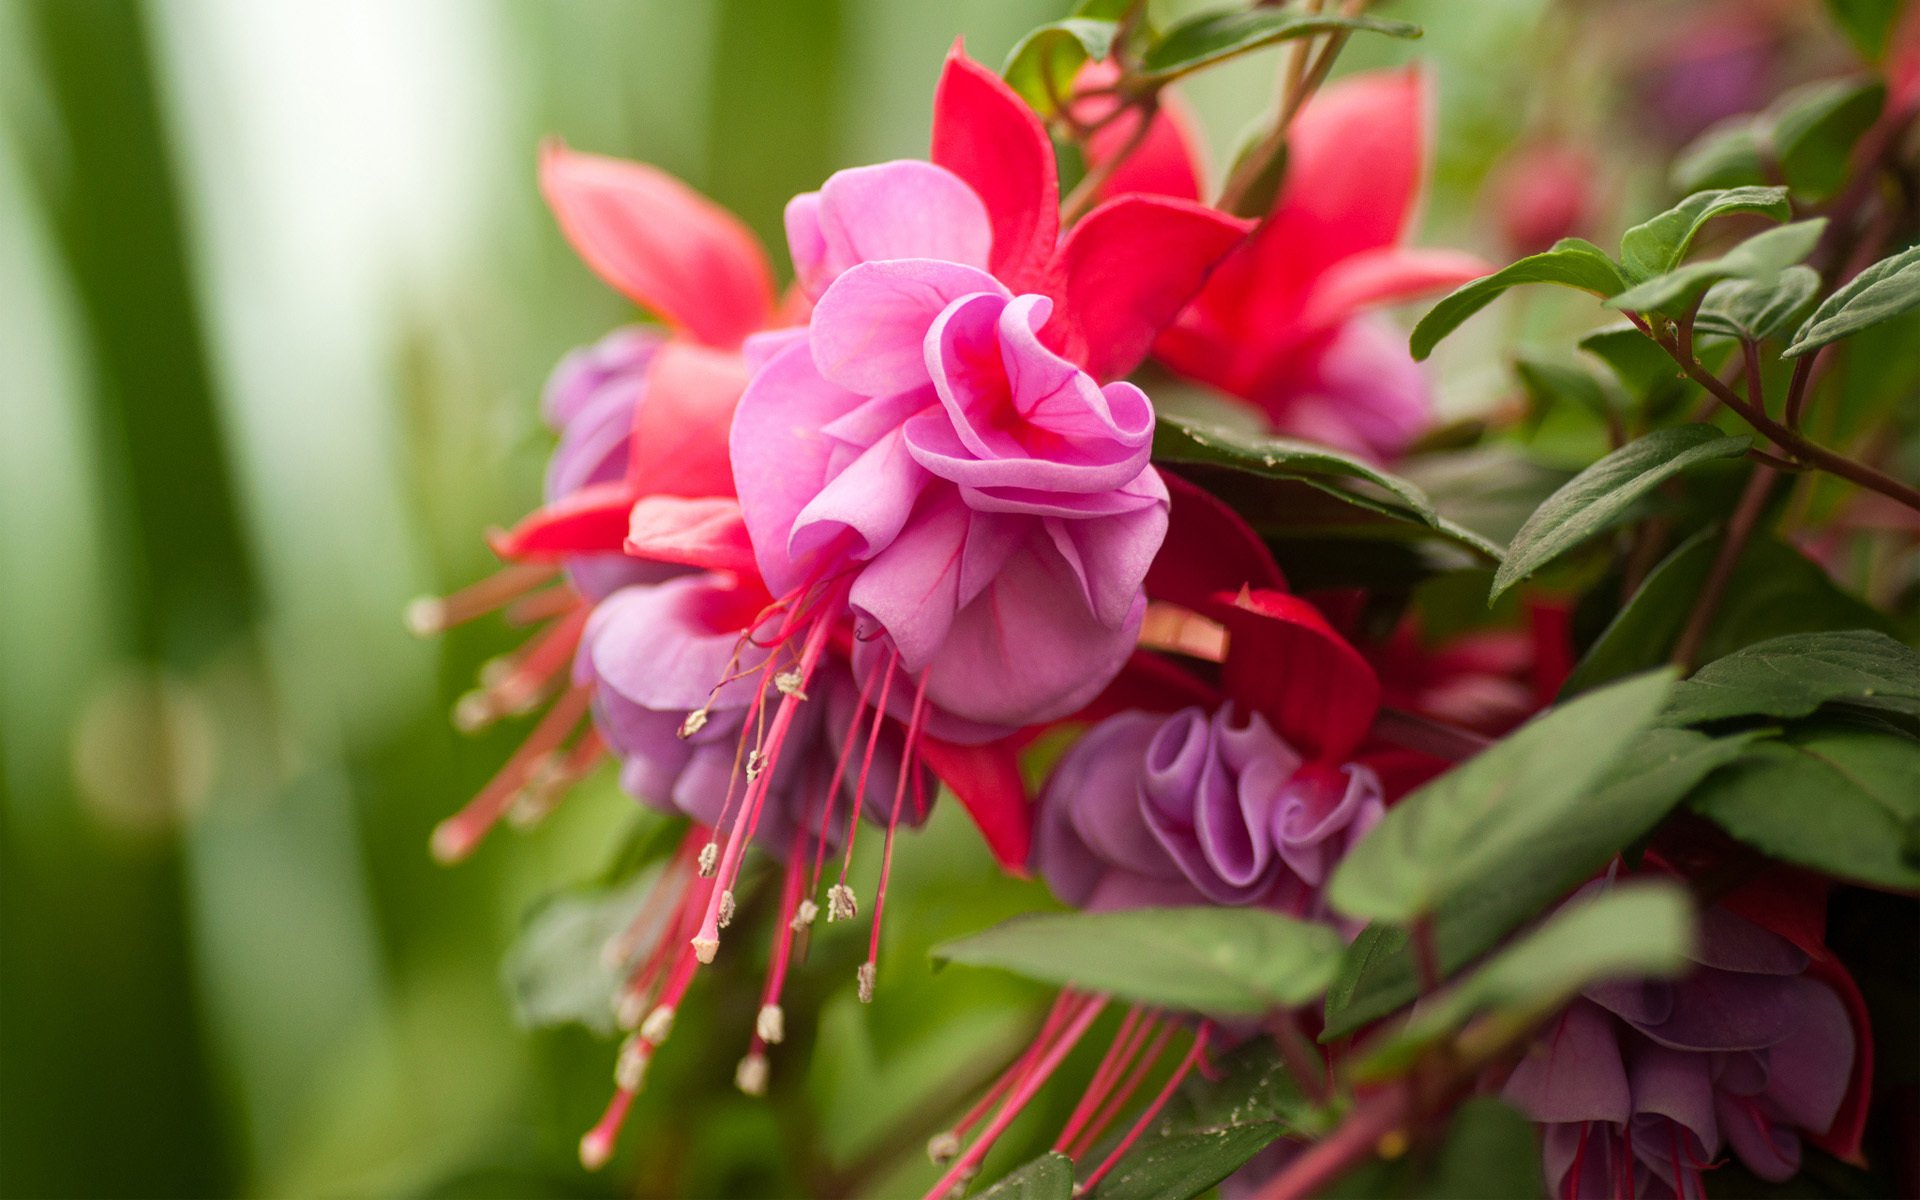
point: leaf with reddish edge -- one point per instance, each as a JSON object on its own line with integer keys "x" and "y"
{"x": 986, "y": 780}
{"x": 660, "y": 243}
{"x": 1287, "y": 663}
{"x": 682, "y": 423}
{"x": 706, "y": 532}
{"x": 1208, "y": 549}
{"x": 984, "y": 133}
{"x": 592, "y": 520}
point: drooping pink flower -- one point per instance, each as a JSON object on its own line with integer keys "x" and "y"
{"x": 1286, "y": 322}
{"x": 937, "y": 451}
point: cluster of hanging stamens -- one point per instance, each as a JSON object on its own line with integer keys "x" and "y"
{"x": 678, "y": 927}
{"x": 1621, "y": 1165}
{"x": 1133, "y": 1056}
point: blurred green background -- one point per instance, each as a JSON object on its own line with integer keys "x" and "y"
{"x": 277, "y": 295}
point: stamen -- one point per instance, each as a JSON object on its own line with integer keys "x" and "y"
{"x": 709, "y": 859}
{"x": 788, "y": 683}
{"x": 455, "y": 837}
{"x": 860, "y": 788}
{"x": 751, "y": 1075}
{"x": 542, "y": 606}
{"x": 630, "y": 1067}
{"x": 658, "y": 1025}
{"x": 756, "y": 763}
{"x": 1112, "y": 1064}
{"x": 726, "y": 907}
{"x": 770, "y": 1024}
{"x": 841, "y": 905}
{"x": 941, "y": 1148}
{"x": 1153, "y": 1110}
{"x": 1042, "y": 1068}
{"x": 597, "y": 1146}
{"x": 1115, "y": 1104}
{"x": 847, "y": 744}
{"x": 430, "y": 615}
{"x": 865, "y": 977}
{"x": 803, "y": 915}
{"x": 695, "y": 722}
{"x": 893, "y": 822}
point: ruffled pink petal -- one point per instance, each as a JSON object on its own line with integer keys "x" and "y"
{"x": 910, "y": 589}
{"x": 984, "y": 133}
{"x": 1385, "y": 276}
{"x": 1110, "y": 556}
{"x": 900, "y": 209}
{"x": 870, "y": 327}
{"x": 780, "y": 463}
{"x": 661, "y": 244}
{"x": 1287, "y": 663}
{"x": 707, "y": 532}
{"x": 864, "y": 505}
{"x": 680, "y": 430}
{"x": 1127, "y": 269}
{"x": 986, "y": 780}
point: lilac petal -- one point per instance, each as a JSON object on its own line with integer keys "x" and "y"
{"x": 660, "y": 647}
{"x": 901, "y": 209}
{"x": 870, "y": 327}
{"x": 1734, "y": 943}
{"x": 1101, "y": 794}
{"x": 779, "y": 461}
{"x": 1575, "y": 1072}
{"x": 1769, "y": 1148}
{"x": 1808, "y": 1072}
{"x": 1675, "y": 1084}
{"x": 618, "y": 359}
{"x": 1668, "y": 1158}
{"x": 1118, "y": 890}
{"x": 1724, "y": 1010}
{"x": 593, "y": 446}
{"x": 1212, "y": 826}
{"x": 1319, "y": 815}
{"x": 1146, "y": 490}
{"x": 1017, "y": 655}
{"x": 870, "y": 499}
{"x": 1592, "y": 1147}
{"x": 652, "y": 757}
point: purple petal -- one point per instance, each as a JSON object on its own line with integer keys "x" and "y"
{"x": 1675, "y": 1084}
{"x": 1575, "y": 1072}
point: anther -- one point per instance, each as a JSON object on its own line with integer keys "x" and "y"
{"x": 630, "y": 1068}
{"x": 771, "y": 1024}
{"x": 726, "y": 908}
{"x": 545, "y": 782}
{"x": 658, "y": 1025}
{"x": 841, "y": 905}
{"x": 695, "y": 722}
{"x": 705, "y": 948}
{"x": 475, "y": 711}
{"x": 426, "y": 616}
{"x": 943, "y": 1147}
{"x": 751, "y": 1075}
{"x": 495, "y": 672}
{"x": 709, "y": 859}
{"x": 756, "y": 762}
{"x": 803, "y": 915}
{"x": 788, "y": 683}
{"x": 630, "y": 1010}
{"x": 865, "y": 975}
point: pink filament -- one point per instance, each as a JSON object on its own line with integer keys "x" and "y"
{"x": 893, "y": 820}
{"x": 1153, "y": 1110}
{"x": 456, "y": 836}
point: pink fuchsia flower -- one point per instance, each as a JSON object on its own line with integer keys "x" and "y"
{"x": 1286, "y": 322}
{"x": 1640, "y": 1087}
{"x": 936, "y": 451}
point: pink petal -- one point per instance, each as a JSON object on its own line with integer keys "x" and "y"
{"x": 1111, "y": 555}
{"x": 591, "y": 520}
{"x": 986, "y": 780}
{"x": 867, "y": 501}
{"x": 984, "y": 133}
{"x": 910, "y": 588}
{"x": 1386, "y": 276}
{"x": 780, "y": 461}
{"x": 707, "y": 532}
{"x": 1285, "y": 662}
{"x": 661, "y": 244}
{"x": 1359, "y": 391}
{"x": 1127, "y": 269}
{"x": 900, "y": 209}
{"x": 681, "y": 427}
{"x": 870, "y": 327}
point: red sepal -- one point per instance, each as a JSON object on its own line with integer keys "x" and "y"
{"x": 986, "y": 780}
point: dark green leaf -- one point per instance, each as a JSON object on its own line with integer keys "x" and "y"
{"x": 1179, "y": 1166}
{"x": 1647, "y": 372}
{"x": 1761, "y": 258}
{"x": 1883, "y": 291}
{"x": 1814, "y": 129}
{"x": 1657, "y": 246}
{"x": 1499, "y": 812}
{"x": 1378, "y": 975}
{"x": 557, "y": 973}
{"x": 1866, "y": 22}
{"x": 1209, "y": 38}
{"x": 1840, "y": 798}
{"x": 1759, "y": 308}
{"x": 1643, "y": 928}
{"x": 1181, "y": 439}
{"x": 1731, "y": 153}
{"x": 1210, "y": 960}
{"x": 1603, "y": 493}
{"x": 1570, "y": 263}
{"x": 1774, "y": 590}
{"x": 1049, "y": 1177}
{"x": 1548, "y": 383}
{"x": 1042, "y": 67}
{"x": 1794, "y": 675}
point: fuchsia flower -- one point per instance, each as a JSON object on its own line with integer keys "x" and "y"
{"x": 936, "y": 451}
{"x": 1640, "y": 1087}
{"x": 1285, "y": 322}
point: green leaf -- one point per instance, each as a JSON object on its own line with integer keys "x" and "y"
{"x": 1841, "y": 798}
{"x": 1759, "y": 308}
{"x": 1209, "y": 38}
{"x": 1731, "y": 153}
{"x": 1179, "y": 1166}
{"x": 1549, "y": 383}
{"x": 1814, "y": 128}
{"x": 1213, "y": 960}
{"x": 1775, "y": 590}
{"x": 1498, "y": 813}
{"x": 1182, "y": 439}
{"x": 1049, "y": 1177}
{"x": 1570, "y": 263}
{"x": 1043, "y": 66}
{"x": 1603, "y": 493}
{"x": 1489, "y": 1150}
{"x": 1647, "y": 372}
{"x": 1866, "y": 22}
{"x": 1792, "y": 676}
{"x": 1378, "y": 975}
{"x": 1885, "y": 290}
{"x": 556, "y": 972}
{"x": 1761, "y": 257}
{"x": 1639, "y": 929}
{"x": 1657, "y": 246}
